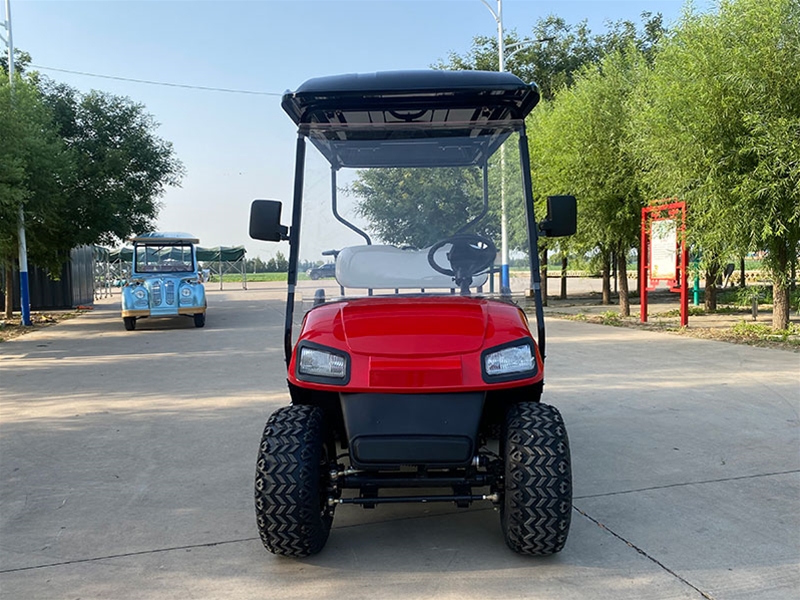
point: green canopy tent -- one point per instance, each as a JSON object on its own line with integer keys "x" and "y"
{"x": 224, "y": 259}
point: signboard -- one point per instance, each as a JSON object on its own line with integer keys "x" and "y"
{"x": 663, "y": 255}
{"x": 663, "y": 249}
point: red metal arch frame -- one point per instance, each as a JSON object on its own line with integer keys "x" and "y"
{"x": 677, "y": 281}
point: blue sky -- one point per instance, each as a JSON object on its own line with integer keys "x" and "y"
{"x": 236, "y": 146}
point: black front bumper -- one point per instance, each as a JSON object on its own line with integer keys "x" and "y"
{"x": 430, "y": 430}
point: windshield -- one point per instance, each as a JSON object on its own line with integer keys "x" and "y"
{"x": 173, "y": 258}
{"x": 414, "y": 211}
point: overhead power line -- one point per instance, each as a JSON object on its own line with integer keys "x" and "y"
{"x": 163, "y": 83}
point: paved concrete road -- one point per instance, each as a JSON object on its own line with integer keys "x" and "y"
{"x": 127, "y": 461}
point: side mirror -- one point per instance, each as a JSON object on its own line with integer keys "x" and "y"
{"x": 265, "y": 221}
{"x": 562, "y": 216}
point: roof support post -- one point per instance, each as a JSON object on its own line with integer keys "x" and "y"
{"x": 294, "y": 243}
{"x": 533, "y": 235}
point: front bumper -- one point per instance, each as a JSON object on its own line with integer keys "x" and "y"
{"x": 392, "y": 430}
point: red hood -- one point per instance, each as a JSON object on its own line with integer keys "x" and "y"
{"x": 400, "y": 343}
{"x": 415, "y": 326}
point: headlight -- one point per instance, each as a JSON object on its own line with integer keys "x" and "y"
{"x": 321, "y": 363}
{"x": 516, "y": 361}
{"x": 315, "y": 363}
{"x": 140, "y": 294}
{"x": 186, "y": 292}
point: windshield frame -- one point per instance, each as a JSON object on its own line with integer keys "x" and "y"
{"x": 149, "y": 259}
{"x": 489, "y": 97}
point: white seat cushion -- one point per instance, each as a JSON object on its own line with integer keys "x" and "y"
{"x": 380, "y": 267}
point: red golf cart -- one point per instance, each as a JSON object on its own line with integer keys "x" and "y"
{"x": 418, "y": 380}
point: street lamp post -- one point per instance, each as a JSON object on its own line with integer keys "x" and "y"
{"x": 505, "y": 281}
{"x": 24, "y": 294}
{"x": 504, "y": 275}
{"x": 501, "y": 51}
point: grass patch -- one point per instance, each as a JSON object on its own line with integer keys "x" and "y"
{"x": 694, "y": 311}
{"x": 761, "y": 332}
{"x": 611, "y": 318}
{"x": 254, "y": 277}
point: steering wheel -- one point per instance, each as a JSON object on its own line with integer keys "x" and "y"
{"x": 470, "y": 254}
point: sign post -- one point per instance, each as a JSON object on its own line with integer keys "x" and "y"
{"x": 665, "y": 257}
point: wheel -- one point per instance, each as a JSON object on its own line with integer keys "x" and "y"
{"x": 130, "y": 323}
{"x": 292, "y": 510}
{"x": 314, "y": 275}
{"x": 537, "y": 504}
{"x": 199, "y": 319}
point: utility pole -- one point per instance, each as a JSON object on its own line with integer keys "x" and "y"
{"x": 501, "y": 51}
{"x": 505, "y": 285}
{"x": 24, "y": 293}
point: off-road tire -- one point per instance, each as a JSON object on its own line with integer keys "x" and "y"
{"x": 537, "y": 504}
{"x": 292, "y": 512}
{"x": 199, "y": 319}
{"x": 129, "y": 322}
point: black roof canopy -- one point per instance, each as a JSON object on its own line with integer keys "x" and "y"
{"x": 410, "y": 118}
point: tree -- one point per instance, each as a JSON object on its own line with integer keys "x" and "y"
{"x": 87, "y": 168}
{"x": 121, "y": 167}
{"x": 553, "y": 63}
{"x": 418, "y": 207}
{"x": 718, "y": 123}
{"x": 281, "y": 264}
{"x": 255, "y": 265}
{"x": 33, "y": 166}
{"x": 581, "y": 147}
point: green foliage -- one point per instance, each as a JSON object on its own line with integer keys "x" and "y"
{"x": 33, "y": 166}
{"x": 612, "y": 318}
{"x": 579, "y": 145}
{"x": 87, "y": 168}
{"x": 554, "y": 62}
{"x": 694, "y": 311}
{"x": 418, "y": 207}
{"x": 121, "y": 168}
{"x": 759, "y": 331}
{"x": 717, "y": 122}
{"x": 746, "y": 295}
{"x": 21, "y": 61}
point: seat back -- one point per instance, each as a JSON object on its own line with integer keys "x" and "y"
{"x": 389, "y": 267}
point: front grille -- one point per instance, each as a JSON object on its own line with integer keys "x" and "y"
{"x": 156, "y": 293}
{"x": 169, "y": 288}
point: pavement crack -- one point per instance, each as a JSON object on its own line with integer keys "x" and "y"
{"x": 126, "y": 555}
{"x": 685, "y": 484}
{"x": 652, "y": 559}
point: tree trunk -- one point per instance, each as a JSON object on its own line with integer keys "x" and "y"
{"x": 563, "y": 277}
{"x": 622, "y": 272}
{"x": 639, "y": 283}
{"x": 711, "y": 287}
{"x": 780, "y": 289}
{"x": 742, "y": 274}
{"x": 614, "y": 262}
{"x": 780, "y": 305}
{"x": 9, "y": 291}
{"x": 543, "y": 266}
{"x": 606, "y": 278}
